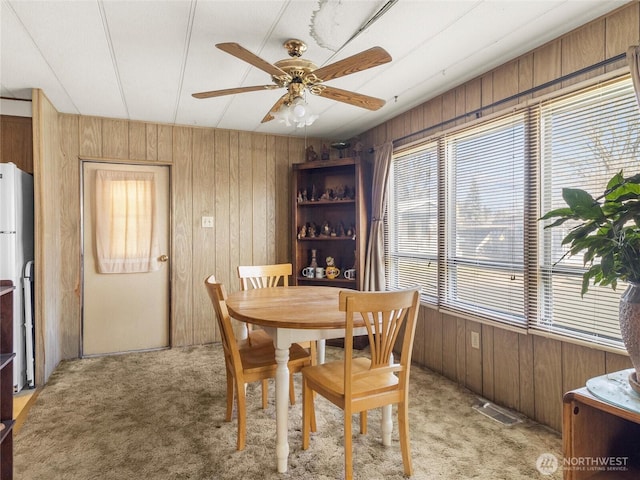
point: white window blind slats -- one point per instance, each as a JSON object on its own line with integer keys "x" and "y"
{"x": 413, "y": 217}
{"x": 585, "y": 140}
{"x": 484, "y": 220}
{"x": 463, "y": 212}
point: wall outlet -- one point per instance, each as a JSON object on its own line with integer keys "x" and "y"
{"x": 207, "y": 222}
{"x": 475, "y": 339}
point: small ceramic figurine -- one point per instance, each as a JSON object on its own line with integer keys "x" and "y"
{"x": 332, "y": 270}
{"x": 299, "y": 196}
{"x": 302, "y": 233}
{"x": 326, "y": 229}
{"x": 327, "y": 195}
{"x": 311, "y": 230}
{"x": 325, "y": 152}
{"x": 313, "y": 193}
{"x": 357, "y": 149}
{"x": 312, "y": 156}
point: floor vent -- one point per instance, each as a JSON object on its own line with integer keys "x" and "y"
{"x": 496, "y": 413}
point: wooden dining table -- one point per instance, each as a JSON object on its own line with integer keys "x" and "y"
{"x": 290, "y": 315}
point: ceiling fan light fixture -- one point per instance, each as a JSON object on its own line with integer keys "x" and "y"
{"x": 296, "y": 113}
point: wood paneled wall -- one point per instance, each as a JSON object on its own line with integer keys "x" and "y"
{"x": 242, "y": 179}
{"x": 528, "y": 373}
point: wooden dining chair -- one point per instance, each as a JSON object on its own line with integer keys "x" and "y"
{"x": 268, "y": 276}
{"x": 363, "y": 383}
{"x": 246, "y": 365}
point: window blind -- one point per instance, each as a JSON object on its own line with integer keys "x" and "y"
{"x": 412, "y": 222}
{"x": 462, "y": 219}
{"x": 585, "y": 139}
{"x": 484, "y": 220}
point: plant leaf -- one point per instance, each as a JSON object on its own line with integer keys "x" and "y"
{"x": 558, "y": 212}
{"x": 582, "y": 204}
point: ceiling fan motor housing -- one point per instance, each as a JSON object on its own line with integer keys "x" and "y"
{"x": 295, "y": 47}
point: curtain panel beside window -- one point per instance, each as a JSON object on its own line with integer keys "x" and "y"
{"x": 633, "y": 56}
{"x": 126, "y": 224}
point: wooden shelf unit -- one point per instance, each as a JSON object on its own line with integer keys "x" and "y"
{"x": 6, "y": 379}
{"x": 351, "y": 212}
{"x": 594, "y": 429}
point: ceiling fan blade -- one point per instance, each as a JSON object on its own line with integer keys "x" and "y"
{"x": 276, "y": 106}
{"x": 352, "y": 98}
{"x": 243, "y": 54}
{"x": 356, "y": 63}
{"x": 231, "y": 91}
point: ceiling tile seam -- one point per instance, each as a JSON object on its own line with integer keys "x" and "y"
{"x": 374, "y": 18}
{"x": 44, "y": 58}
{"x": 473, "y": 54}
{"x": 112, "y": 53}
{"x": 443, "y": 29}
{"x": 185, "y": 56}
{"x": 265, "y": 40}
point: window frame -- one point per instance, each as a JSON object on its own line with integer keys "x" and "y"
{"x": 533, "y": 266}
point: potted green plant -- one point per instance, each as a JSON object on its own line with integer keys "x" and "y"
{"x": 608, "y": 235}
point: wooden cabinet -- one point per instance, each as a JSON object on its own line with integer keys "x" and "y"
{"x": 6, "y": 379}
{"x": 17, "y": 141}
{"x": 330, "y": 219}
{"x": 600, "y": 440}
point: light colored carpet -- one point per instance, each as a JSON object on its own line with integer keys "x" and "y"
{"x": 160, "y": 415}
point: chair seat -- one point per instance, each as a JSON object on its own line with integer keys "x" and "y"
{"x": 330, "y": 376}
{"x": 256, "y": 338}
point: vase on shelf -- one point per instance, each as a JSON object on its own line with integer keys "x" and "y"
{"x": 314, "y": 260}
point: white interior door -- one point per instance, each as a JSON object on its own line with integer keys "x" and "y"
{"x": 124, "y": 312}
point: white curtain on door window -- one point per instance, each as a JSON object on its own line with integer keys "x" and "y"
{"x": 126, "y": 224}
{"x": 633, "y": 56}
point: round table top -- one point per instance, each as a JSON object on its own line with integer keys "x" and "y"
{"x": 308, "y": 307}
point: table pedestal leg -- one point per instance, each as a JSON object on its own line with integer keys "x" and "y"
{"x": 282, "y": 408}
{"x": 320, "y": 345}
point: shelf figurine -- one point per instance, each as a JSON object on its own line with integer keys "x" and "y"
{"x": 324, "y": 155}
{"x": 311, "y": 154}
{"x": 357, "y": 149}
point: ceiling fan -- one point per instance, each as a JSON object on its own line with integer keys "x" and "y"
{"x": 297, "y": 75}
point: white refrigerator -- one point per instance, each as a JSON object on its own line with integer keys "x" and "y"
{"x": 16, "y": 260}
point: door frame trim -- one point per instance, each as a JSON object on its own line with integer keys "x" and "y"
{"x": 111, "y": 161}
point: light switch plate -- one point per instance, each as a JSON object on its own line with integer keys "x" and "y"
{"x": 207, "y": 222}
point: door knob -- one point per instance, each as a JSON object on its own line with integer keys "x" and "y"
{"x": 163, "y": 258}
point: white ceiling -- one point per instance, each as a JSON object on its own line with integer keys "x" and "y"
{"x": 142, "y": 60}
